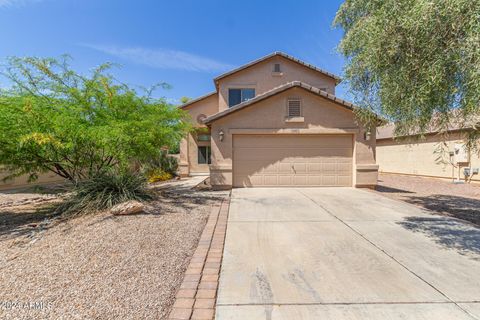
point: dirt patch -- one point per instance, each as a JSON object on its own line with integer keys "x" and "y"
{"x": 442, "y": 197}
{"x": 102, "y": 266}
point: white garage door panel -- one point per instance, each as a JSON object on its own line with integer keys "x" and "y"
{"x": 292, "y": 160}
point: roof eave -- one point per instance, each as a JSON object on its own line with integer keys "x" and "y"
{"x": 196, "y": 100}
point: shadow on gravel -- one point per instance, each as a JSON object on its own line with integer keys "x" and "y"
{"x": 178, "y": 200}
{"x": 16, "y": 222}
{"x": 448, "y": 232}
{"x": 188, "y": 199}
{"x": 459, "y": 207}
{"x": 385, "y": 189}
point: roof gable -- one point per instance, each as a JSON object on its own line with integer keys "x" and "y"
{"x": 274, "y": 54}
{"x": 278, "y": 90}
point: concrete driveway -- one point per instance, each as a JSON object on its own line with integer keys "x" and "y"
{"x": 343, "y": 253}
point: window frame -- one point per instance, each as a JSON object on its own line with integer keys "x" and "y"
{"x": 204, "y": 137}
{"x": 208, "y": 155}
{"x": 241, "y": 94}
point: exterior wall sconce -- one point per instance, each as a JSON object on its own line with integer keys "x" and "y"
{"x": 221, "y": 135}
{"x": 367, "y": 135}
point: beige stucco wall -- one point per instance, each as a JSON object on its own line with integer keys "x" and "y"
{"x": 261, "y": 78}
{"x": 195, "y": 167}
{"x": 321, "y": 116}
{"x": 189, "y": 146}
{"x": 207, "y": 106}
{"x": 189, "y": 154}
{"x": 22, "y": 181}
{"x": 422, "y": 158}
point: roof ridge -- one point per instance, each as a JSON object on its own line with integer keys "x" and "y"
{"x": 282, "y": 54}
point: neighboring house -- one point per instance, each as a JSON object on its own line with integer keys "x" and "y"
{"x": 431, "y": 156}
{"x": 276, "y": 122}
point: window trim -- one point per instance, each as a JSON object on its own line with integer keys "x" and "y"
{"x": 207, "y": 137}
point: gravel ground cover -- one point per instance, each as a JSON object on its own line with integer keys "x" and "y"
{"x": 98, "y": 266}
{"x": 26, "y": 196}
{"x": 440, "y": 196}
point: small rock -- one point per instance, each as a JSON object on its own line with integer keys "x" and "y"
{"x": 129, "y": 207}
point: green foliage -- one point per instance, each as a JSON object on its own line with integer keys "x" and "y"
{"x": 160, "y": 168}
{"x": 54, "y": 119}
{"x": 105, "y": 190}
{"x": 413, "y": 61}
{"x": 157, "y": 175}
{"x": 175, "y": 149}
{"x": 185, "y": 99}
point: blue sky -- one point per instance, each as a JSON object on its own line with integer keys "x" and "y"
{"x": 183, "y": 43}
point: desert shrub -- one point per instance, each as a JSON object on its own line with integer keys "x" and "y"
{"x": 53, "y": 119}
{"x": 163, "y": 162}
{"x": 157, "y": 175}
{"x": 104, "y": 191}
{"x": 169, "y": 164}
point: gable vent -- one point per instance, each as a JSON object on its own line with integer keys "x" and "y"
{"x": 294, "y": 108}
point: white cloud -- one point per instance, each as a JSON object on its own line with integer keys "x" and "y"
{"x": 16, "y": 3}
{"x": 163, "y": 58}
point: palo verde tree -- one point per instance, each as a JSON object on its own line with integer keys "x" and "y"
{"x": 416, "y": 62}
{"x": 55, "y": 119}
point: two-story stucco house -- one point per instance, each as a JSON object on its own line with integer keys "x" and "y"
{"x": 276, "y": 122}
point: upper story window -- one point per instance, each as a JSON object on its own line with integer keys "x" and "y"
{"x": 276, "y": 67}
{"x": 236, "y": 96}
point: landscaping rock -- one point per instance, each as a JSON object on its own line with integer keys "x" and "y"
{"x": 129, "y": 207}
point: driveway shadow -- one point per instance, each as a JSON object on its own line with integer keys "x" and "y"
{"x": 385, "y": 189}
{"x": 447, "y": 232}
{"x": 459, "y": 207}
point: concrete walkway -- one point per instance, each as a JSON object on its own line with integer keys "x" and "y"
{"x": 183, "y": 184}
{"x": 342, "y": 253}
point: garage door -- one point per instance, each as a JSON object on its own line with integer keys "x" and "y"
{"x": 292, "y": 160}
